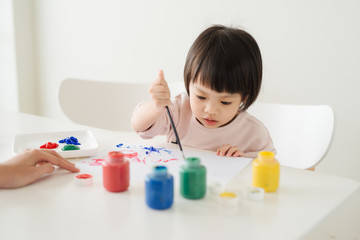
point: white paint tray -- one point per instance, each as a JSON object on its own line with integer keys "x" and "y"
{"x": 88, "y": 147}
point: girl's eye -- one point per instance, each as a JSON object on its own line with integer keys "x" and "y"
{"x": 225, "y": 103}
{"x": 200, "y": 97}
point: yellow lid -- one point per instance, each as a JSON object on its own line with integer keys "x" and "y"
{"x": 267, "y": 157}
{"x": 228, "y": 195}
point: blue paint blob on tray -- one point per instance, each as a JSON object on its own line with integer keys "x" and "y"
{"x": 70, "y": 140}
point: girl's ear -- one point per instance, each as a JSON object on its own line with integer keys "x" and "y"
{"x": 243, "y": 102}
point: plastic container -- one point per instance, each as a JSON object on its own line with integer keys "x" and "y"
{"x": 266, "y": 172}
{"x": 228, "y": 199}
{"x": 116, "y": 174}
{"x": 193, "y": 179}
{"x": 84, "y": 179}
{"x": 159, "y": 188}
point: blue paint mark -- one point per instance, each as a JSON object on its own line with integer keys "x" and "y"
{"x": 152, "y": 149}
{"x": 70, "y": 140}
{"x": 148, "y": 149}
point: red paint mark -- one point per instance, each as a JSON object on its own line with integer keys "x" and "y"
{"x": 49, "y": 145}
{"x": 97, "y": 162}
{"x": 131, "y": 155}
{"x": 172, "y": 159}
{"x": 83, "y": 176}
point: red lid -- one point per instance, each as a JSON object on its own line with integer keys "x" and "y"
{"x": 115, "y": 157}
{"x": 83, "y": 176}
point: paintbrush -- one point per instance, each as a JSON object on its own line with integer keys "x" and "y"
{"x": 174, "y": 129}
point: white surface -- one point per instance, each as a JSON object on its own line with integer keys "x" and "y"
{"x": 59, "y": 206}
{"x": 9, "y": 96}
{"x": 88, "y": 144}
{"x": 302, "y": 134}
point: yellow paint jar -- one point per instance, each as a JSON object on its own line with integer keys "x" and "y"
{"x": 266, "y": 172}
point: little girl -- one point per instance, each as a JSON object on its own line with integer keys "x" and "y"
{"x": 222, "y": 75}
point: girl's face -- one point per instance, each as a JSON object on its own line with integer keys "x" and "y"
{"x": 213, "y": 109}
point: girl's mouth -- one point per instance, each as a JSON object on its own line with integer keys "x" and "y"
{"x": 210, "y": 122}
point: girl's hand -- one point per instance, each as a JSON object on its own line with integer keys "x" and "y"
{"x": 160, "y": 92}
{"x": 227, "y": 150}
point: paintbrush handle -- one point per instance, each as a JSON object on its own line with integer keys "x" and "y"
{"x": 174, "y": 129}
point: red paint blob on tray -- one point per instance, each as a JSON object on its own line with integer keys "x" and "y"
{"x": 49, "y": 145}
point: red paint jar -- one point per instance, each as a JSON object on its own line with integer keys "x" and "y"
{"x": 116, "y": 172}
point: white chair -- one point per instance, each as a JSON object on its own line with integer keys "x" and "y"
{"x": 302, "y": 134}
{"x": 106, "y": 105}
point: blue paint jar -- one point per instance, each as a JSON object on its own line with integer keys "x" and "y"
{"x": 159, "y": 188}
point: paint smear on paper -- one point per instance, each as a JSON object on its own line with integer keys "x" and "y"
{"x": 147, "y": 155}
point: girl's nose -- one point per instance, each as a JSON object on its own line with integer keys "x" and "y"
{"x": 210, "y": 108}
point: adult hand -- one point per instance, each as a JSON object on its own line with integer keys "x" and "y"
{"x": 29, "y": 166}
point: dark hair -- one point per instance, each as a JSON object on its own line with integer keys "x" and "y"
{"x": 225, "y": 59}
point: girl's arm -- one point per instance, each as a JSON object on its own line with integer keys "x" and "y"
{"x": 148, "y": 113}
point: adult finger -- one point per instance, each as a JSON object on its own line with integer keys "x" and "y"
{"x": 55, "y": 159}
{"x": 56, "y": 154}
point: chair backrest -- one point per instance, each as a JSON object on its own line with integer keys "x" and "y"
{"x": 106, "y": 105}
{"x": 302, "y": 134}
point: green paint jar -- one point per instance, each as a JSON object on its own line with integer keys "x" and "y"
{"x": 193, "y": 179}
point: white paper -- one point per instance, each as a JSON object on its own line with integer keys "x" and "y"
{"x": 142, "y": 160}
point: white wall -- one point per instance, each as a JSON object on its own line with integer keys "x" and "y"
{"x": 310, "y": 50}
{"x": 8, "y": 78}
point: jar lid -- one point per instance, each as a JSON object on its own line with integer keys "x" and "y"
{"x": 160, "y": 170}
{"x": 254, "y": 193}
{"x": 267, "y": 157}
{"x": 84, "y": 179}
{"x": 215, "y": 187}
{"x": 115, "y": 157}
{"x": 228, "y": 198}
{"x": 193, "y": 161}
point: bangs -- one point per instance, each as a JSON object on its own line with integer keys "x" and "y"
{"x": 216, "y": 73}
{"x": 219, "y": 69}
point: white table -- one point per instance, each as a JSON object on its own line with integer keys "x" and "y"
{"x": 56, "y": 208}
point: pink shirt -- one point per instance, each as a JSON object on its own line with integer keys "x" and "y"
{"x": 245, "y": 131}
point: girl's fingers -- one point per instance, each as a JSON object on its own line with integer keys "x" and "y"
{"x": 223, "y": 149}
{"x": 161, "y": 79}
{"x": 229, "y": 151}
